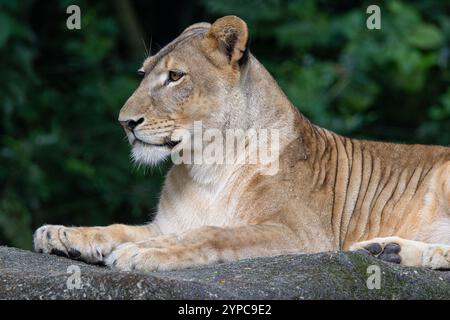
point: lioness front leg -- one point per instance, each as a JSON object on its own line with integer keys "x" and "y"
{"x": 407, "y": 252}
{"x": 90, "y": 244}
{"x": 203, "y": 246}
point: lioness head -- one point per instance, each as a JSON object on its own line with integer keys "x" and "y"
{"x": 194, "y": 78}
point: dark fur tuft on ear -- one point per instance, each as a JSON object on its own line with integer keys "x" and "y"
{"x": 226, "y": 40}
{"x": 245, "y": 56}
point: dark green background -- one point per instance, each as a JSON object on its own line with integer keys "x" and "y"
{"x": 63, "y": 156}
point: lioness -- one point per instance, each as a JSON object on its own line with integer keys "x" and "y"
{"x": 387, "y": 200}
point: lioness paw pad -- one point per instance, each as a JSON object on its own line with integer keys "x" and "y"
{"x": 389, "y": 252}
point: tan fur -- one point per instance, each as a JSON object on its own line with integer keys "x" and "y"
{"x": 330, "y": 193}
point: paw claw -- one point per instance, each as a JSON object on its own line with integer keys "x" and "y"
{"x": 99, "y": 254}
{"x": 58, "y": 253}
{"x": 74, "y": 253}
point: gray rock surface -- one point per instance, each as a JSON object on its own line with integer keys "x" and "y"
{"x": 331, "y": 275}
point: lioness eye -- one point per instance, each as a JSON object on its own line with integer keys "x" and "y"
{"x": 175, "y": 75}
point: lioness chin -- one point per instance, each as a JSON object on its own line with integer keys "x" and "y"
{"x": 330, "y": 193}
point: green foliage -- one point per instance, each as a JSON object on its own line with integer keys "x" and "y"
{"x": 63, "y": 156}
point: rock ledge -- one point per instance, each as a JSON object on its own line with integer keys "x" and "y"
{"x": 331, "y": 275}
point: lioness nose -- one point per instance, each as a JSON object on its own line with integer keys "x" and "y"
{"x": 131, "y": 124}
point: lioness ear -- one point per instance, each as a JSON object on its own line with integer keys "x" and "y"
{"x": 226, "y": 39}
{"x": 199, "y": 25}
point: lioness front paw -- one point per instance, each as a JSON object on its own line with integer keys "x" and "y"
{"x": 85, "y": 244}
{"x": 133, "y": 257}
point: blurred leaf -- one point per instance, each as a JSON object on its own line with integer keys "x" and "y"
{"x": 425, "y": 36}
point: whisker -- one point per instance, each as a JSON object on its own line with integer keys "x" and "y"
{"x": 145, "y": 48}
{"x": 151, "y": 42}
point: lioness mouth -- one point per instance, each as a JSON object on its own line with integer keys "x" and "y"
{"x": 167, "y": 143}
